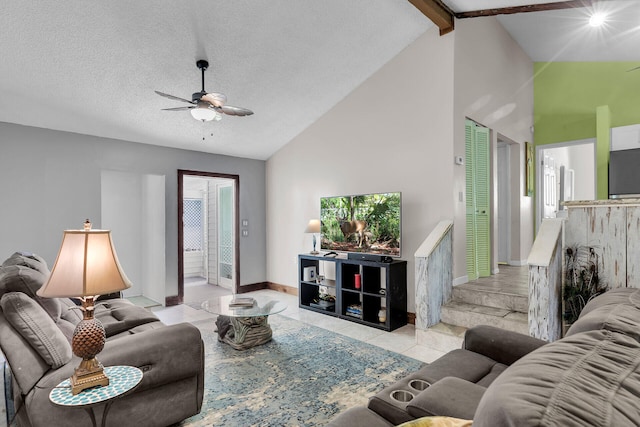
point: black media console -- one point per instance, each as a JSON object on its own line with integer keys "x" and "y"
{"x": 377, "y": 298}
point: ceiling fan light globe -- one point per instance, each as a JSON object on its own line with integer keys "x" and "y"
{"x": 203, "y": 114}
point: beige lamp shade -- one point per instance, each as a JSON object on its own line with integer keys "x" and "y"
{"x": 87, "y": 265}
{"x": 313, "y": 226}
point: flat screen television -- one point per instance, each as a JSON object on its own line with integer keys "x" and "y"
{"x": 367, "y": 223}
{"x": 624, "y": 174}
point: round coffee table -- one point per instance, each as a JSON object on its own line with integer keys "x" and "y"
{"x": 243, "y": 327}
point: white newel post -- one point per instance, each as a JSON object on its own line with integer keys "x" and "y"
{"x": 545, "y": 282}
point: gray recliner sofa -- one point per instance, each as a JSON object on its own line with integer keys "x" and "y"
{"x": 591, "y": 377}
{"x": 35, "y": 337}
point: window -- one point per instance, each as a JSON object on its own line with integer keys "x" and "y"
{"x": 193, "y": 220}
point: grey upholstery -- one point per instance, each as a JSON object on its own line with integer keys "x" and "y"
{"x": 34, "y": 337}
{"x": 500, "y": 378}
{"x": 587, "y": 379}
{"x": 473, "y": 364}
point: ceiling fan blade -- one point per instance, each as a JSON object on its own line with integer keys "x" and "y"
{"x": 215, "y": 99}
{"x": 175, "y": 98}
{"x": 179, "y": 108}
{"x": 235, "y": 111}
{"x": 633, "y": 69}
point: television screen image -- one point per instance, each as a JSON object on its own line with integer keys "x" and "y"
{"x": 368, "y": 223}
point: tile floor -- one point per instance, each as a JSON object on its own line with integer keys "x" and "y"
{"x": 509, "y": 279}
{"x": 402, "y": 340}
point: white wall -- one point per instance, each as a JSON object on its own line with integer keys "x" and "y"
{"x": 393, "y": 133}
{"x": 121, "y": 212}
{"x": 51, "y": 182}
{"x": 582, "y": 161}
{"x": 399, "y": 131}
{"x": 494, "y": 87}
{"x": 133, "y": 209}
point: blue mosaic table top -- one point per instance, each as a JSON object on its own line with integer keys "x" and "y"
{"x": 121, "y": 380}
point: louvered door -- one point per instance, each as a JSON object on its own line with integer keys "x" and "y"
{"x": 477, "y": 200}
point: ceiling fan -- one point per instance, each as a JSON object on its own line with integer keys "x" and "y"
{"x": 206, "y": 106}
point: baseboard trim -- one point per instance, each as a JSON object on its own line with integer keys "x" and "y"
{"x": 173, "y": 300}
{"x": 519, "y": 263}
{"x": 460, "y": 280}
{"x": 411, "y": 318}
{"x": 268, "y": 285}
{"x": 282, "y": 288}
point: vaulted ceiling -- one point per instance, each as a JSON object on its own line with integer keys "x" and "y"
{"x": 92, "y": 67}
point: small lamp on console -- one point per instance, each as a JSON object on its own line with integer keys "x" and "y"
{"x": 313, "y": 227}
{"x": 86, "y": 267}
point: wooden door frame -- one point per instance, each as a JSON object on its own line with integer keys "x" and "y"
{"x": 236, "y": 195}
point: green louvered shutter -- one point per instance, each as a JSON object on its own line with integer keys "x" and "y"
{"x": 477, "y": 200}
{"x": 472, "y": 265}
{"x": 482, "y": 187}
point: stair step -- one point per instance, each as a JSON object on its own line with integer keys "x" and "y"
{"x": 469, "y": 315}
{"x": 473, "y": 294}
{"x": 441, "y": 336}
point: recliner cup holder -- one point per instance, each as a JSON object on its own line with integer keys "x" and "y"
{"x": 419, "y": 384}
{"x": 402, "y": 396}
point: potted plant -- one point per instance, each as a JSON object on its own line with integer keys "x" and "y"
{"x": 581, "y": 280}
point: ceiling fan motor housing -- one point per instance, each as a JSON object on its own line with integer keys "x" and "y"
{"x": 197, "y": 95}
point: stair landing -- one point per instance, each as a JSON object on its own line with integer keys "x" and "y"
{"x": 500, "y": 300}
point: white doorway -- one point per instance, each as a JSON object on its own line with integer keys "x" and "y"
{"x": 564, "y": 172}
{"x": 504, "y": 202}
{"x": 207, "y": 239}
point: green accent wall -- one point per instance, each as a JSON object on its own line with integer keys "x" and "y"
{"x": 580, "y": 100}
{"x": 603, "y": 144}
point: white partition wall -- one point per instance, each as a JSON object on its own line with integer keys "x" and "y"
{"x": 133, "y": 208}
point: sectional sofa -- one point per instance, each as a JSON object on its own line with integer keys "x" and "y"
{"x": 35, "y": 337}
{"x": 591, "y": 377}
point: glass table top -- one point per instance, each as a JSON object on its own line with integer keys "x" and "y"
{"x": 246, "y": 306}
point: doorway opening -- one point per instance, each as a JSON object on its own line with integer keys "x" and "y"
{"x": 208, "y": 247}
{"x": 507, "y": 219}
{"x": 504, "y": 202}
{"x": 565, "y": 172}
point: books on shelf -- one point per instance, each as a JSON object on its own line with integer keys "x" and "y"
{"x": 354, "y": 310}
{"x": 242, "y": 302}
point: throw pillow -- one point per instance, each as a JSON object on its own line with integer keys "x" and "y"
{"x": 437, "y": 422}
{"x": 28, "y": 259}
{"x": 37, "y": 328}
{"x": 17, "y": 278}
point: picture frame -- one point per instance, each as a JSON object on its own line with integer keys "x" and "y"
{"x": 529, "y": 169}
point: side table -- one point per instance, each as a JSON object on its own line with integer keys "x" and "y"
{"x": 122, "y": 379}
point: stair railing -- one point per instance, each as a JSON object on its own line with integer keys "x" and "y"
{"x": 434, "y": 274}
{"x": 545, "y": 282}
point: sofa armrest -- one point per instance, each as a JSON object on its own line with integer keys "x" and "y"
{"x": 165, "y": 354}
{"x": 499, "y": 344}
{"x": 448, "y": 397}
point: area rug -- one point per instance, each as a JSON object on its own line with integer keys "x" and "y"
{"x": 305, "y": 376}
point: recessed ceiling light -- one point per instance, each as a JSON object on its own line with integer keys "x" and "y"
{"x": 597, "y": 19}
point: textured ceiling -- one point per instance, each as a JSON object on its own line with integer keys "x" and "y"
{"x": 91, "y": 67}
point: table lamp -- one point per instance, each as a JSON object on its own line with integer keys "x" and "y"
{"x": 313, "y": 227}
{"x": 86, "y": 267}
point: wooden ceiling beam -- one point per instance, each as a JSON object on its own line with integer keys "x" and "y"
{"x": 437, "y": 12}
{"x": 524, "y": 9}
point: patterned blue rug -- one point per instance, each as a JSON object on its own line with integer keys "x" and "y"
{"x": 305, "y": 376}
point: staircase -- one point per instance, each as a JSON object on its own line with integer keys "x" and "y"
{"x": 500, "y": 300}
